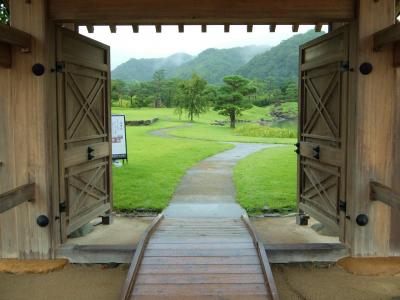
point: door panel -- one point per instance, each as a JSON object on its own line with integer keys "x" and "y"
{"x": 323, "y": 127}
{"x": 84, "y": 129}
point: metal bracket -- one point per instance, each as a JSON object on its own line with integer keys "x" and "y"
{"x": 342, "y": 206}
{"x": 63, "y": 207}
{"x": 316, "y": 152}
{"x": 60, "y": 67}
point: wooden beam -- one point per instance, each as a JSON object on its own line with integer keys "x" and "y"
{"x": 158, "y": 28}
{"x": 90, "y": 28}
{"x": 204, "y": 28}
{"x": 125, "y": 12}
{"x": 318, "y": 27}
{"x": 135, "y": 28}
{"x": 15, "y": 37}
{"x": 113, "y": 28}
{"x": 262, "y": 254}
{"x": 380, "y": 192}
{"x": 226, "y": 28}
{"x": 295, "y": 27}
{"x": 272, "y": 28}
{"x": 17, "y": 196}
{"x": 249, "y": 28}
{"x": 137, "y": 258}
{"x": 5, "y": 56}
{"x": 181, "y": 28}
{"x": 387, "y": 36}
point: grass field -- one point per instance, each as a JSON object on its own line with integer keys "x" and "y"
{"x": 149, "y": 179}
{"x": 267, "y": 178}
{"x": 157, "y": 164}
{"x": 201, "y": 128}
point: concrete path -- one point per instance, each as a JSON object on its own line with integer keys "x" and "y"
{"x": 207, "y": 190}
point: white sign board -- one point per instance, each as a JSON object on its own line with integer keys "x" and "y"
{"x": 118, "y": 136}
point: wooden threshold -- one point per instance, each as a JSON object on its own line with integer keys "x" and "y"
{"x": 277, "y": 253}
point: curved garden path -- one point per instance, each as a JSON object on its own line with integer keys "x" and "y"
{"x": 207, "y": 190}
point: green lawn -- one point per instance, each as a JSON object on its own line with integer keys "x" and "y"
{"x": 157, "y": 164}
{"x": 201, "y": 128}
{"x": 155, "y": 167}
{"x": 267, "y": 178}
{"x": 224, "y": 133}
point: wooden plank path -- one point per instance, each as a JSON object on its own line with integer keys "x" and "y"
{"x": 199, "y": 258}
{"x": 203, "y": 246}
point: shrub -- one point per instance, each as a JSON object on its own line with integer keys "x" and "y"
{"x": 265, "y": 131}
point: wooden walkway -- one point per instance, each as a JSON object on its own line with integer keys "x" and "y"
{"x": 199, "y": 258}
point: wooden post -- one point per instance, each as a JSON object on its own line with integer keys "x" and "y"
{"x": 27, "y": 129}
{"x": 375, "y": 155}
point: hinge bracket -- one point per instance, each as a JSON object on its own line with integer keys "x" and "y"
{"x": 60, "y": 66}
{"x": 345, "y": 66}
{"x": 342, "y": 206}
{"x": 63, "y": 207}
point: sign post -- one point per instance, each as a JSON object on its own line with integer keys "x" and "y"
{"x": 119, "y": 145}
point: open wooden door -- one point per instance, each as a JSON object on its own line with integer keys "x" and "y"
{"x": 324, "y": 67}
{"x": 83, "y": 78}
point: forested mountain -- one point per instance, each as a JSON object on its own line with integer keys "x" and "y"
{"x": 211, "y": 64}
{"x": 214, "y": 64}
{"x": 280, "y": 62}
{"x": 143, "y": 69}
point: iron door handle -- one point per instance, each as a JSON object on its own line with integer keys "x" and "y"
{"x": 316, "y": 152}
{"x": 297, "y": 150}
{"x": 90, "y": 154}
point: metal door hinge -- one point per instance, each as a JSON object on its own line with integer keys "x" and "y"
{"x": 345, "y": 66}
{"x": 63, "y": 207}
{"x": 60, "y": 67}
{"x": 342, "y": 206}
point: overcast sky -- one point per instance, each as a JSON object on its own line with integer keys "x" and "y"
{"x": 148, "y": 44}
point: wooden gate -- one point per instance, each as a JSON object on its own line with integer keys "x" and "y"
{"x": 84, "y": 115}
{"x": 324, "y": 67}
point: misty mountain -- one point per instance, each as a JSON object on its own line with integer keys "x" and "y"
{"x": 214, "y": 64}
{"x": 211, "y": 64}
{"x": 280, "y": 62}
{"x": 144, "y": 68}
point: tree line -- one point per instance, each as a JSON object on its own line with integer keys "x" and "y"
{"x": 195, "y": 95}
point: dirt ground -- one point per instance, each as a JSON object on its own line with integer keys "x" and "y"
{"x": 284, "y": 230}
{"x": 273, "y": 230}
{"x": 79, "y": 282}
